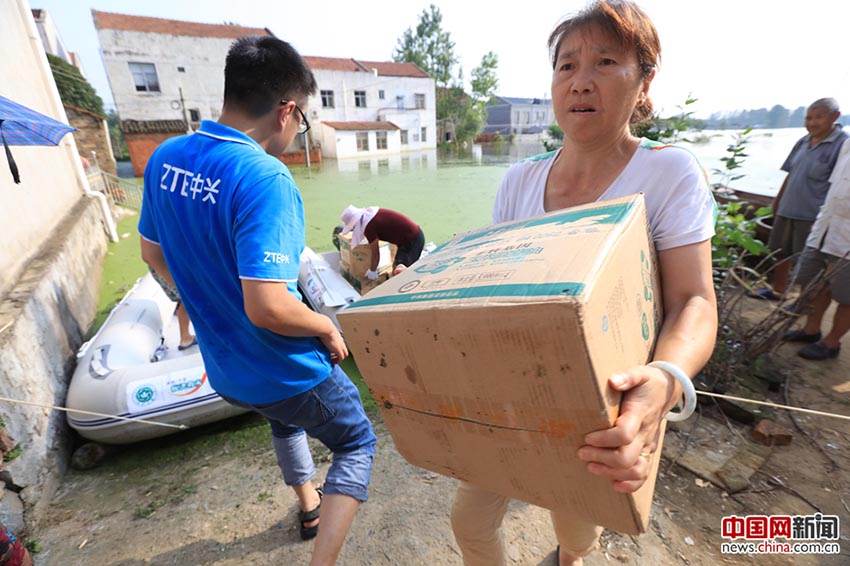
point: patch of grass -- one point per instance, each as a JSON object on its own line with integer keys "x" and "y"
{"x": 244, "y": 434}
{"x": 263, "y": 496}
{"x": 122, "y": 267}
{"x": 144, "y": 512}
{"x": 349, "y": 366}
{"x": 33, "y": 546}
{"x": 13, "y": 453}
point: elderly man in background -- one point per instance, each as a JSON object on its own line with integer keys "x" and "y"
{"x": 826, "y": 252}
{"x": 809, "y": 166}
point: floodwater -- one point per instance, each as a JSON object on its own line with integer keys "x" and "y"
{"x": 448, "y": 193}
{"x": 765, "y": 152}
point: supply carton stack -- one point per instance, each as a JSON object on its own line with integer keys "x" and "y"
{"x": 354, "y": 262}
{"x": 490, "y": 357}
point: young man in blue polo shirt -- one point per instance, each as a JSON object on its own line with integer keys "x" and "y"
{"x": 223, "y": 218}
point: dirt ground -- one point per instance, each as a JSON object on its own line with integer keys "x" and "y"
{"x": 214, "y": 497}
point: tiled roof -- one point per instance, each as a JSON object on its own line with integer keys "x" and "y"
{"x": 515, "y": 100}
{"x": 109, "y": 20}
{"x": 153, "y": 126}
{"x": 386, "y": 69}
{"x": 392, "y": 69}
{"x": 361, "y": 126}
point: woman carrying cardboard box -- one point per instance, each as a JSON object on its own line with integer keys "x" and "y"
{"x": 604, "y": 60}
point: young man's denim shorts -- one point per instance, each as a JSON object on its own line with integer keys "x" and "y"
{"x": 332, "y": 413}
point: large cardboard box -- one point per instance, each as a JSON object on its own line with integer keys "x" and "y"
{"x": 490, "y": 357}
{"x": 357, "y": 260}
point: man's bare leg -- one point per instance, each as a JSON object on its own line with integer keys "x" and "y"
{"x": 338, "y": 513}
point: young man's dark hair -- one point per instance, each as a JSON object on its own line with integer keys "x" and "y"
{"x": 260, "y": 71}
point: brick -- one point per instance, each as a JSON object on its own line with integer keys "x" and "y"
{"x": 770, "y": 433}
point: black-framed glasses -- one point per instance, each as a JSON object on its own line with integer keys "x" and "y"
{"x": 304, "y": 126}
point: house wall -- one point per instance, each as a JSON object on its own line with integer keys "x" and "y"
{"x": 141, "y": 146}
{"x": 344, "y": 83}
{"x": 531, "y": 116}
{"x": 498, "y": 119}
{"x": 92, "y": 135}
{"x": 510, "y": 117}
{"x": 51, "y": 254}
{"x": 202, "y": 81}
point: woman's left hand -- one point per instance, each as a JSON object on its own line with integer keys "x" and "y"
{"x": 622, "y": 451}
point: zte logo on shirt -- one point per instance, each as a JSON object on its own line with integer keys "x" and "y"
{"x": 196, "y": 184}
{"x": 274, "y": 257}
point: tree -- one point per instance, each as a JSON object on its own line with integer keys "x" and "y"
{"x": 429, "y": 47}
{"x": 432, "y": 49}
{"x": 74, "y": 89}
{"x": 777, "y": 117}
{"x": 119, "y": 145}
{"x": 484, "y": 79}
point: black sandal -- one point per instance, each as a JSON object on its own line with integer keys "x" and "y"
{"x": 308, "y": 516}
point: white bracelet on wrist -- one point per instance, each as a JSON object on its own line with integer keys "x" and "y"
{"x": 688, "y": 391}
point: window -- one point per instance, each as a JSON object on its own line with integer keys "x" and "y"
{"x": 327, "y": 99}
{"x": 380, "y": 95}
{"x": 415, "y": 137}
{"x": 181, "y": 69}
{"x": 144, "y": 76}
{"x": 194, "y": 115}
{"x": 362, "y": 141}
{"x": 404, "y": 137}
{"x": 399, "y": 102}
{"x": 423, "y": 136}
{"x": 420, "y": 101}
{"x": 360, "y": 98}
{"x": 380, "y": 140}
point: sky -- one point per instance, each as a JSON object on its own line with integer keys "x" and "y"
{"x": 728, "y": 54}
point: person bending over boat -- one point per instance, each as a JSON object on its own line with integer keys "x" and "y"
{"x": 603, "y": 60}
{"x": 374, "y": 224}
{"x": 222, "y": 215}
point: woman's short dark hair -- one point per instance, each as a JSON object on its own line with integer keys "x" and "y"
{"x": 261, "y": 70}
{"x": 625, "y": 22}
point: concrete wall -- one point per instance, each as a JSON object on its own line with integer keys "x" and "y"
{"x": 50, "y": 180}
{"x": 51, "y": 252}
{"x": 202, "y": 78}
{"x": 44, "y": 320}
{"x": 92, "y": 135}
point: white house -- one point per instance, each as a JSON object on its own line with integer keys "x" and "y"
{"x": 162, "y": 69}
{"x": 367, "y": 108}
{"x": 168, "y": 75}
{"x": 52, "y": 41}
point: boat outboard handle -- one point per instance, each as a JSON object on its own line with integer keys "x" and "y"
{"x": 97, "y": 366}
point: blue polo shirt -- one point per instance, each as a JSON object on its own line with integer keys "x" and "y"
{"x": 223, "y": 210}
{"x": 808, "y": 171}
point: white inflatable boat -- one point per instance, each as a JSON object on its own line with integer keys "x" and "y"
{"x": 132, "y": 369}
